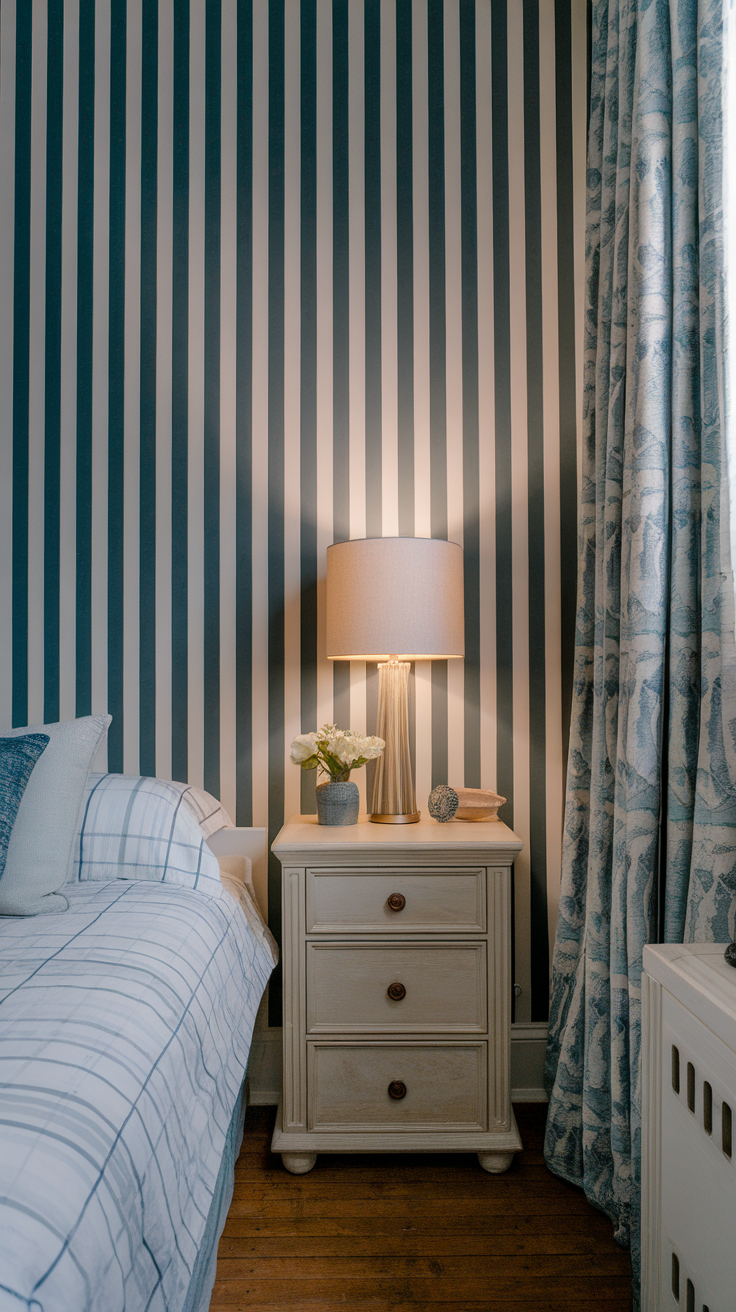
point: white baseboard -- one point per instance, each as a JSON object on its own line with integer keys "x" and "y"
{"x": 528, "y": 1044}
{"x": 528, "y": 1048}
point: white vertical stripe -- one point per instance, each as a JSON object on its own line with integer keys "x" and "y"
{"x": 356, "y": 121}
{"x": 324, "y": 345}
{"x": 519, "y": 500}
{"x": 454, "y": 365}
{"x": 7, "y": 205}
{"x": 131, "y": 386}
{"x": 292, "y": 381}
{"x": 579, "y": 55}
{"x": 68, "y": 453}
{"x": 228, "y": 321}
{"x": 36, "y": 415}
{"x": 260, "y": 414}
{"x": 164, "y": 285}
{"x": 356, "y": 204}
{"x": 551, "y": 403}
{"x": 422, "y": 519}
{"x": 389, "y": 293}
{"x": 486, "y": 401}
{"x": 195, "y": 590}
{"x": 100, "y": 353}
{"x": 420, "y": 167}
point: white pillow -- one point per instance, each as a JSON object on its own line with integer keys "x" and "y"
{"x": 137, "y": 828}
{"x": 42, "y": 842}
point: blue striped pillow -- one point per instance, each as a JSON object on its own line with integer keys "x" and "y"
{"x": 152, "y": 829}
{"x": 17, "y": 759}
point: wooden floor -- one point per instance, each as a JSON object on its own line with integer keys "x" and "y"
{"x": 391, "y": 1234}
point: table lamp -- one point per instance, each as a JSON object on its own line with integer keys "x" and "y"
{"x": 394, "y": 600}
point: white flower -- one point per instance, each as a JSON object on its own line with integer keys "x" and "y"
{"x": 303, "y": 747}
{"x": 336, "y": 751}
{"x": 341, "y": 744}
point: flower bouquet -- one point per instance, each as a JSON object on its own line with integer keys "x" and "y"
{"x": 336, "y": 752}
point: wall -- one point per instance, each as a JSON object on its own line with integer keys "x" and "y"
{"x": 277, "y": 274}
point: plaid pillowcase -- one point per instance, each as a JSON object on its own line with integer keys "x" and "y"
{"x": 137, "y": 828}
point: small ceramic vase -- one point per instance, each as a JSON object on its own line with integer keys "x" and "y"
{"x": 337, "y": 803}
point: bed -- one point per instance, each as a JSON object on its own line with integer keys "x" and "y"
{"x": 125, "y": 1028}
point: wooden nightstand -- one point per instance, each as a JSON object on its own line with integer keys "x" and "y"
{"x": 397, "y": 990}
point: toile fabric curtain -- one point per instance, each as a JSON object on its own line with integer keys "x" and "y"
{"x": 650, "y": 816}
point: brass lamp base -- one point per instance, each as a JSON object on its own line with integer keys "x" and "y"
{"x": 396, "y": 819}
{"x": 394, "y": 799}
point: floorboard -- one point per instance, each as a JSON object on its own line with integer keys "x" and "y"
{"x": 396, "y": 1233}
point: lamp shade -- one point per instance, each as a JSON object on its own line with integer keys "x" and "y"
{"x": 398, "y": 597}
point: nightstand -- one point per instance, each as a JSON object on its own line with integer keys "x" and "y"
{"x": 396, "y": 956}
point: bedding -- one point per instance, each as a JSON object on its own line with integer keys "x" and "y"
{"x": 125, "y": 1027}
{"x": 42, "y": 841}
{"x": 140, "y": 828}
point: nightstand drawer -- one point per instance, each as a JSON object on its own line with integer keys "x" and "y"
{"x": 339, "y": 901}
{"x": 409, "y": 988}
{"x": 409, "y": 1086}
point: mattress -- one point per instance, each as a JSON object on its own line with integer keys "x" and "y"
{"x": 125, "y": 1027}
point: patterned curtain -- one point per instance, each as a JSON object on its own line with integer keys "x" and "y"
{"x": 650, "y": 818}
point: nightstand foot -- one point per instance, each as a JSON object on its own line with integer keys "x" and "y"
{"x": 495, "y": 1163}
{"x": 298, "y": 1163}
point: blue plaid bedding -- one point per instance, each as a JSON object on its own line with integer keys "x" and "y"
{"x": 125, "y": 1026}
{"x": 137, "y": 828}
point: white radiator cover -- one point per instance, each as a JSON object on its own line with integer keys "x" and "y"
{"x": 688, "y": 1136}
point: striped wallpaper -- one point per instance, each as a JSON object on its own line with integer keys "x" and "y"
{"x": 277, "y": 273}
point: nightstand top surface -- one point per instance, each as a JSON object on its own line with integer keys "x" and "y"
{"x": 302, "y": 831}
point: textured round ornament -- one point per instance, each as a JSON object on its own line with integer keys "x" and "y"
{"x": 730, "y": 954}
{"x": 443, "y": 802}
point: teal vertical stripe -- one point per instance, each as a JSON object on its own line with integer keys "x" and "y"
{"x": 309, "y": 564}
{"x": 116, "y": 381}
{"x": 471, "y": 436}
{"x": 243, "y": 425}
{"x": 566, "y": 352}
{"x": 340, "y": 275}
{"x": 212, "y": 208}
{"x": 405, "y": 264}
{"x": 180, "y": 400}
{"x": 52, "y": 358}
{"x": 21, "y": 357}
{"x": 372, "y": 230}
{"x": 437, "y": 297}
{"x": 275, "y": 463}
{"x": 535, "y": 451}
{"x": 502, "y": 384}
{"x": 437, "y": 348}
{"x": 85, "y": 328}
{"x": 148, "y": 298}
{"x": 340, "y": 318}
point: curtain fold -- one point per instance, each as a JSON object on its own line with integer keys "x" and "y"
{"x": 650, "y": 815}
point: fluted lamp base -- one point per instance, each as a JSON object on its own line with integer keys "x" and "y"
{"x": 394, "y": 799}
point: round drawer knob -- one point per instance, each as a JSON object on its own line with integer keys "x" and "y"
{"x": 397, "y": 1090}
{"x": 397, "y": 902}
{"x": 396, "y": 992}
